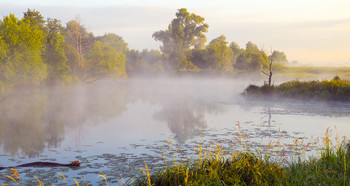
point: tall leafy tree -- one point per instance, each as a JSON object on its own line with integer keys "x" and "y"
{"x": 145, "y": 63}
{"x": 114, "y": 41}
{"x": 134, "y": 62}
{"x": 23, "y": 43}
{"x": 237, "y": 50}
{"x": 252, "y": 59}
{"x": 220, "y": 55}
{"x": 3, "y": 46}
{"x": 278, "y": 57}
{"x": 77, "y": 36}
{"x": 35, "y": 19}
{"x": 154, "y": 59}
{"x": 185, "y": 31}
{"x": 72, "y": 60}
{"x": 104, "y": 61}
{"x": 215, "y": 58}
{"x": 55, "y": 56}
{"x": 251, "y": 47}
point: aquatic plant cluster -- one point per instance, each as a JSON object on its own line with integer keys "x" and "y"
{"x": 335, "y": 90}
{"x": 215, "y": 164}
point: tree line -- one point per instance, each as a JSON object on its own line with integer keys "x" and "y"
{"x": 35, "y": 51}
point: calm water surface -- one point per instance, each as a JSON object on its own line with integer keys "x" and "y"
{"x": 116, "y": 127}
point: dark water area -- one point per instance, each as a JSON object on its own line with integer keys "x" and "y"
{"x": 118, "y": 126}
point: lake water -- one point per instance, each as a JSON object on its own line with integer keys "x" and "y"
{"x": 117, "y": 126}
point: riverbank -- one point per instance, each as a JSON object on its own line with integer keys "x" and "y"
{"x": 255, "y": 169}
{"x": 329, "y": 90}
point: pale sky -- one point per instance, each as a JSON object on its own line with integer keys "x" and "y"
{"x": 309, "y": 31}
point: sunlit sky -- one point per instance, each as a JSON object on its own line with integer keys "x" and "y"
{"x": 310, "y": 31}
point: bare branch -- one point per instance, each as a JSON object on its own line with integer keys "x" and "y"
{"x": 266, "y": 67}
{"x": 265, "y": 73}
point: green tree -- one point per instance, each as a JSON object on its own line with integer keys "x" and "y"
{"x": 215, "y": 58}
{"x": 184, "y": 32}
{"x": 145, "y": 63}
{"x": 279, "y": 57}
{"x": 220, "y": 55}
{"x": 35, "y": 19}
{"x": 155, "y": 61}
{"x": 77, "y": 36}
{"x": 55, "y": 56}
{"x": 104, "y": 61}
{"x": 114, "y": 41}
{"x": 252, "y": 59}
{"x": 3, "y": 47}
{"x": 134, "y": 62}
{"x": 251, "y": 47}
{"x": 72, "y": 60}
{"x": 22, "y": 44}
{"x": 237, "y": 50}
{"x": 199, "y": 58}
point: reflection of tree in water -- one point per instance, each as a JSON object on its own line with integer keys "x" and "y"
{"x": 32, "y": 119}
{"x": 183, "y": 119}
{"x": 20, "y": 121}
{"x": 268, "y": 116}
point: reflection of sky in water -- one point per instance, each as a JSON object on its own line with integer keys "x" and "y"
{"x": 110, "y": 126}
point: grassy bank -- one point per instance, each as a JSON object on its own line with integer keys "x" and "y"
{"x": 247, "y": 168}
{"x": 335, "y": 89}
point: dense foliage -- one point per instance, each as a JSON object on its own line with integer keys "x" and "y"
{"x": 35, "y": 51}
{"x": 184, "y": 32}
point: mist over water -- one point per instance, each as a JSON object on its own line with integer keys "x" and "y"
{"x": 117, "y": 126}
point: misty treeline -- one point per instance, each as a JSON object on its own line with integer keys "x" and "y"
{"x": 35, "y": 51}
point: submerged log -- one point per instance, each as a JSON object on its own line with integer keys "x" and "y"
{"x": 45, "y": 164}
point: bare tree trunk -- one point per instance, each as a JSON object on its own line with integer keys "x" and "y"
{"x": 78, "y": 40}
{"x": 269, "y": 68}
{"x": 80, "y": 50}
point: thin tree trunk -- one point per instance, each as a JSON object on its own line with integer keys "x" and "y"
{"x": 80, "y": 50}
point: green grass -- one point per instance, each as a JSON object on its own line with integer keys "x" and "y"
{"x": 245, "y": 169}
{"x": 329, "y": 169}
{"x": 335, "y": 89}
{"x": 248, "y": 168}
